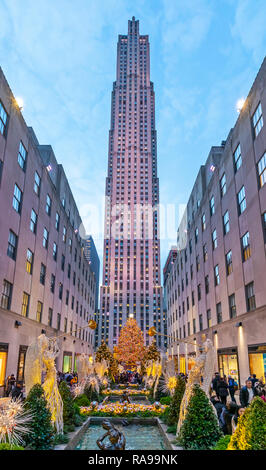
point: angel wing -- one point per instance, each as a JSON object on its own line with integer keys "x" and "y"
{"x": 33, "y": 366}
{"x": 208, "y": 366}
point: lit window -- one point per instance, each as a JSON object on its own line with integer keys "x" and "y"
{"x": 25, "y": 305}
{"x": 246, "y": 252}
{"x": 29, "y": 261}
{"x": 216, "y": 275}
{"x": 39, "y": 312}
{"x": 229, "y": 263}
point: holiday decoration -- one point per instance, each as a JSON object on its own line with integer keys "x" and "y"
{"x": 130, "y": 349}
{"x": 250, "y": 433}
{"x": 176, "y": 401}
{"x": 40, "y": 358}
{"x": 104, "y": 353}
{"x": 14, "y": 421}
{"x": 169, "y": 378}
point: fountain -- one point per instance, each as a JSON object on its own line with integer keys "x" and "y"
{"x": 116, "y": 438}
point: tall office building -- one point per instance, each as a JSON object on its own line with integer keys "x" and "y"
{"x": 90, "y": 253}
{"x": 131, "y": 258}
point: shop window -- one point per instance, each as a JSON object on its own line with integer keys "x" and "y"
{"x": 21, "y": 363}
{"x": 3, "y": 362}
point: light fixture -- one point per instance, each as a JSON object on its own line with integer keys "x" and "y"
{"x": 238, "y": 324}
{"x": 239, "y": 104}
{"x": 64, "y": 338}
{"x": 43, "y": 332}
{"x": 212, "y": 168}
{"x": 17, "y": 323}
{"x": 49, "y": 168}
{"x": 215, "y": 332}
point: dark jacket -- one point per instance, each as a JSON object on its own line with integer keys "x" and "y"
{"x": 244, "y": 396}
{"x": 222, "y": 388}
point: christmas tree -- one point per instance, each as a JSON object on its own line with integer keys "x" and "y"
{"x": 104, "y": 353}
{"x": 250, "y": 433}
{"x": 130, "y": 349}
{"x": 174, "y": 409}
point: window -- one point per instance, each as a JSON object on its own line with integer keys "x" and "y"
{"x": 226, "y": 222}
{"x": 42, "y": 274}
{"x": 216, "y": 275}
{"x": 264, "y": 225}
{"x": 12, "y": 245}
{"x": 48, "y": 205}
{"x": 39, "y": 312}
{"x": 209, "y": 318}
{"x": 68, "y": 270}
{"x": 58, "y": 321}
{"x": 25, "y": 305}
{"x": 70, "y": 245}
{"x": 50, "y": 317}
{"x": 33, "y": 221}
{"x": 237, "y": 158}
{"x": 194, "y": 325}
{"x": 60, "y": 292}
{"x": 52, "y": 284}
{"x": 257, "y": 120}
{"x": 232, "y": 306}
{"x": 229, "y": 263}
{"x": 196, "y": 235}
{"x": 203, "y": 222}
{"x": 65, "y": 325}
{"x": 246, "y": 252}
{"x": 1, "y": 169}
{"x": 223, "y": 185}
{"x": 29, "y": 261}
{"x": 212, "y": 206}
{"x": 63, "y": 262}
{"x": 3, "y": 120}
{"x": 219, "y": 312}
{"x": 17, "y": 199}
{"x": 64, "y": 234}
{"x": 55, "y": 251}
{"x": 262, "y": 170}
{"x": 207, "y": 285}
{"x": 205, "y": 253}
{"x": 241, "y": 196}
{"x": 57, "y": 221}
{"x": 45, "y": 238}
{"x": 67, "y": 297}
{"x": 22, "y": 156}
{"x": 6, "y": 295}
{"x": 37, "y": 183}
{"x": 250, "y": 297}
{"x": 214, "y": 239}
{"x": 199, "y": 292}
{"x": 200, "y": 323}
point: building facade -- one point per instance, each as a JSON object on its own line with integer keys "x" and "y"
{"x": 217, "y": 284}
{"x": 92, "y": 257}
{"x": 131, "y": 258}
{"x": 46, "y": 283}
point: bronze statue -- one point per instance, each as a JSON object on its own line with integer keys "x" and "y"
{"x": 116, "y": 438}
{"x": 125, "y": 397}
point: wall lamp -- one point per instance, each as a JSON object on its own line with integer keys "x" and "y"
{"x": 17, "y": 323}
{"x": 64, "y": 338}
{"x": 215, "y": 332}
{"x": 43, "y": 332}
{"x": 238, "y": 324}
{"x": 74, "y": 341}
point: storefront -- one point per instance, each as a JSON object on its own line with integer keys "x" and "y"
{"x": 67, "y": 361}
{"x": 182, "y": 364}
{"x": 228, "y": 363}
{"x": 257, "y": 360}
{"x": 3, "y": 362}
{"x": 21, "y": 363}
{"x": 191, "y": 361}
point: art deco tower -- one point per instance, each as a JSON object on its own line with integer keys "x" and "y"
{"x": 131, "y": 258}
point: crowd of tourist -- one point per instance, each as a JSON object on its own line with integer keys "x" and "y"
{"x": 228, "y": 410}
{"x": 129, "y": 377}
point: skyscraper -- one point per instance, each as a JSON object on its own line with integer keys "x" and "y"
{"x": 131, "y": 257}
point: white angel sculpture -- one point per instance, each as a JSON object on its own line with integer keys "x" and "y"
{"x": 40, "y": 368}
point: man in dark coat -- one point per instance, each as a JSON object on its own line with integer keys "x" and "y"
{"x": 247, "y": 393}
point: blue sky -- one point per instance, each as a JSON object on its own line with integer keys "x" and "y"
{"x": 60, "y": 56}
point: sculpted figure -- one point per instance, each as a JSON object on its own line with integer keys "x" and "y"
{"x": 117, "y": 439}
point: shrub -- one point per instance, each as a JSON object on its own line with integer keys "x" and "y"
{"x": 200, "y": 429}
{"x": 174, "y": 410}
{"x": 6, "y": 446}
{"x": 42, "y": 431}
{"x": 165, "y": 400}
{"x": 60, "y": 439}
{"x": 82, "y": 400}
{"x": 172, "y": 429}
{"x": 250, "y": 433}
{"x": 68, "y": 410}
{"x": 222, "y": 444}
{"x": 91, "y": 394}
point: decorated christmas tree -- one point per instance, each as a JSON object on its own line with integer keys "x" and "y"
{"x": 131, "y": 349}
{"x": 174, "y": 409}
{"x": 104, "y": 353}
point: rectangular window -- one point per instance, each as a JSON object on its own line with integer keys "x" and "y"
{"x": 250, "y": 297}
{"x": 257, "y": 120}
{"x": 48, "y": 205}
{"x": 39, "y": 312}
{"x": 45, "y": 238}
{"x": 17, "y": 199}
{"x": 63, "y": 262}
{"x": 237, "y": 158}
{"x": 241, "y": 196}
{"x": 65, "y": 325}
{"x": 55, "y": 251}
{"x": 205, "y": 253}
{"x": 232, "y": 306}
{"x": 58, "y": 321}
{"x": 229, "y": 263}
{"x": 199, "y": 292}
{"x": 262, "y": 170}
{"x": 57, "y": 221}
{"x": 3, "y": 119}
{"x": 207, "y": 286}
{"x": 33, "y": 221}
{"x": 223, "y": 185}
{"x": 25, "y": 305}
{"x": 203, "y": 222}
{"x": 214, "y": 239}
{"x": 22, "y": 156}
{"x": 246, "y": 252}
{"x": 226, "y": 223}
{"x": 60, "y": 292}
{"x": 200, "y": 323}
{"x": 264, "y": 225}
{"x": 216, "y": 275}
{"x": 212, "y": 206}
{"x": 37, "y": 183}
{"x": 209, "y": 318}
{"x": 42, "y": 274}
{"x": 219, "y": 312}
{"x": 64, "y": 234}
{"x": 6, "y": 295}
{"x": 196, "y": 235}
{"x": 52, "y": 285}
{"x": 12, "y": 245}
{"x": 50, "y": 317}
{"x": 29, "y": 261}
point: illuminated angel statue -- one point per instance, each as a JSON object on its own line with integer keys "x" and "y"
{"x": 40, "y": 369}
{"x": 201, "y": 374}
{"x": 169, "y": 378}
{"x": 101, "y": 368}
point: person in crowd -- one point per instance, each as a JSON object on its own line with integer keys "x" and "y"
{"x": 214, "y": 383}
{"x": 247, "y": 393}
{"x": 227, "y": 414}
{"x": 217, "y": 405}
{"x": 232, "y": 386}
{"x": 17, "y": 391}
{"x": 253, "y": 379}
{"x": 10, "y": 383}
{"x": 263, "y": 395}
{"x": 222, "y": 388}
{"x": 236, "y": 416}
